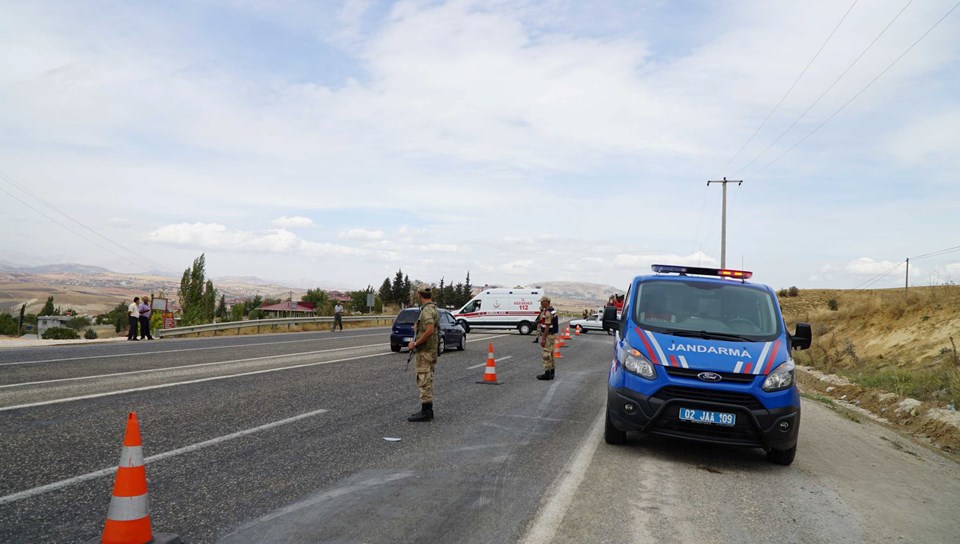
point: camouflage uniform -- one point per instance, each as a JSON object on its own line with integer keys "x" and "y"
{"x": 427, "y": 351}
{"x": 548, "y": 324}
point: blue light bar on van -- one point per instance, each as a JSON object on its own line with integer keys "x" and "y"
{"x": 699, "y": 271}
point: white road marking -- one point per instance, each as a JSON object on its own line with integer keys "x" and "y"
{"x": 197, "y": 365}
{"x": 139, "y": 354}
{"x": 187, "y": 382}
{"x": 159, "y": 457}
{"x": 549, "y": 517}
{"x": 201, "y": 380}
{"x": 495, "y": 361}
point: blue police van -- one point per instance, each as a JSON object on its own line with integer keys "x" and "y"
{"x": 702, "y": 354}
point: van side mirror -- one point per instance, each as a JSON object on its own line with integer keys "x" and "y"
{"x": 803, "y": 337}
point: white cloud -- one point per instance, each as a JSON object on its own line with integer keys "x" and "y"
{"x": 866, "y": 266}
{"x": 293, "y": 222}
{"x": 441, "y": 248}
{"x": 217, "y": 236}
{"x": 371, "y": 235}
{"x": 643, "y": 262}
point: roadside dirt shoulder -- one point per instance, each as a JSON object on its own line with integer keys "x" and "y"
{"x": 926, "y": 421}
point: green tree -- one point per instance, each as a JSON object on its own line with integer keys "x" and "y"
{"x": 77, "y": 323}
{"x": 198, "y": 298}
{"x": 358, "y": 299}
{"x": 438, "y": 297}
{"x": 467, "y": 289}
{"x": 386, "y": 291}
{"x": 221, "y": 312}
{"x": 237, "y": 311}
{"x": 118, "y": 316}
{"x": 20, "y": 325}
{"x": 48, "y": 308}
{"x": 8, "y": 325}
{"x": 319, "y": 298}
{"x": 255, "y": 303}
{"x": 397, "y": 289}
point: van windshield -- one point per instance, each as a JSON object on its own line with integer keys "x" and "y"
{"x": 408, "y": 316}
{"x": 723, "y": 309}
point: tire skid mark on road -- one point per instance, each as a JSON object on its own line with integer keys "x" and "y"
{"x": 26, "y": 494}
{"x": 139, "y": 354}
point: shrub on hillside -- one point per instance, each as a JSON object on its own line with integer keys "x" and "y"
{"x": 833, "y": 304}
{"x": 60, "y": 333}
{"x": 90, "y": 334}
{"x": 793, "y": 291}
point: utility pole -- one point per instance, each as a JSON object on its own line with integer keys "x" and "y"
{"x": 723, "y": 231}
{"x": 906, "y": 281}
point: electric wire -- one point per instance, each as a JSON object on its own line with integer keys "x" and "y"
{"x": 874, "y": 80}
{"x": 11, "y": 181}
{"x": 832, "y": 85}
{"x": 790, "y": 90}
{"x": 72, "y": 231}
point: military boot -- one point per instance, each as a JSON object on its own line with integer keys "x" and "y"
{"x": 547, "y": 375}
{"x": 425, "y": 413}
{"x": 553, "y": 372}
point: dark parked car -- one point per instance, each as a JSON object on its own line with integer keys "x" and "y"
{"x": 452, "y": 334}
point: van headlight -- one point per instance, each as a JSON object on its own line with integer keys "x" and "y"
{"x": 781, "y": 378}
{"x": 636, "y": 362}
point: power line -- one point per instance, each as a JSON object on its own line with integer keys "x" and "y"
{"x": 936, "y": 253}
{"x": 786, "y": 94}
{"x": 832, "y": 85}
{"x": 874, "y": 80}
{"x": 11, "y": 181}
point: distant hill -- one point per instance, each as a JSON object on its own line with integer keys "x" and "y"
{"x": 594, "y": 293}
{"x": 67, "y": 268}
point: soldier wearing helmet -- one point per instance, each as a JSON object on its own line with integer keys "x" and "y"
{"x": 548, "y": 324}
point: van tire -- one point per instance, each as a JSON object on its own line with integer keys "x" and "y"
{"x": 525, "y": 328}
{"x": 782, "y": 457}
{"x": 464, "y": 324}
{"x": 612, "y": 435}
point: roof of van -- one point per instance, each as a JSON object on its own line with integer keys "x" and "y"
{"x": 517, "y": 291}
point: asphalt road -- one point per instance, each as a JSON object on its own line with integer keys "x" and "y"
{"x": 281, "y": 438}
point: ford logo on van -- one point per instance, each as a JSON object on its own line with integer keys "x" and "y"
{"x": 710, "y": 376}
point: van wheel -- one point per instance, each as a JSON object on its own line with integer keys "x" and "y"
{"x": 782, "y": 457}
{"x": 440, "y": 347}
{"x": 395, "y": 347}
{"x": 463, "y": 342}
{"x": 462, "y": 323}
{"x": 612, "y": 435}
{"x": 525, "y": 328}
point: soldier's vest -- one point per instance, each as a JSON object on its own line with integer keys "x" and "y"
{"x": 429, "y": 309}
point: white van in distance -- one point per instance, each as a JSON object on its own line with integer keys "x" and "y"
{"x": 501, "y": 309}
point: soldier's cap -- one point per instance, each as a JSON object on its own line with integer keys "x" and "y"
{"x": 428, "y": 291}
{"x": 544, "y": 298}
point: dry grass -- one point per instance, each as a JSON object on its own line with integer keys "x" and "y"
{"x": 903, "y": 343}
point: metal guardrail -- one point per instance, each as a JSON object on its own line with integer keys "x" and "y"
{"x": 271, "y": 325}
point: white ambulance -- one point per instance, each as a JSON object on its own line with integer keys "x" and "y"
{"x": 501, "y": 309}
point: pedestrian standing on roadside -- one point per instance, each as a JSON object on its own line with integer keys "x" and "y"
{"x": 338, "y": 317}
{"x": 549, "y": 325}
{"x": 425, "y": 343}
{"x": 144, "y": 309}
{"x": 133, "y": 317}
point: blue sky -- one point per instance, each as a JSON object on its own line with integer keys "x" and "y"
{"x": 331, "y": 143}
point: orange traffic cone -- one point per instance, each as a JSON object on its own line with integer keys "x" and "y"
{"x": 559, "y": 342}
{"x": 566, "y": 334}
{"x": 490, "y": 373}
{"x": 128, "y": 518}
{"x": 556, "y": 351}
{"x": 578, "y": 330}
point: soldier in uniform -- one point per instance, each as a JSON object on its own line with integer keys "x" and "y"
{"x": 549, "y": 325}
{"x": 425, "y": 342}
